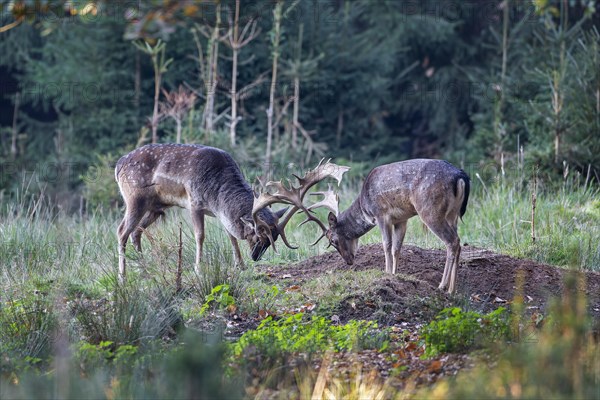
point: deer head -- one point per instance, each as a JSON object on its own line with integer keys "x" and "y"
{"x": 262, "y": 231}
{"x": 346, "y": 246}
{"x": 265, "y": 234}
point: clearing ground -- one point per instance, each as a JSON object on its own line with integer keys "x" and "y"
{"x": 486, "y": 280}
{"x": 404, "y": 302}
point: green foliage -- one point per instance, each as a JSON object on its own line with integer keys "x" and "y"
{"x": 295, "y": 333}
{"x": 57, "y": 280}
{"x": 560, "y": 360}
{"x": 195, "y": 370}
{"x": 91, "y": 356}
{"x": 219, "y": 296}
{"x": 456, "y": 331}
{"x": 261, "y": 297}
{"x": 378, "y": 83}
{"x": 192, "y": 369}
{"x": 100, "y": 186}
{"x": 156, "y": 53}
{"x": 26, "y": 326}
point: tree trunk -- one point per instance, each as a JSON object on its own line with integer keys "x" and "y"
{"x": 157, "y": 83}
{"x": 178, "y": 122}
{"x": 499, "y": 112}
{"x": 15, "y": 128}
{"x": 558, "y": 94}
{"x": 340, "y": 128}
{"x": 137, "y": 82}
{"x": 235, "y": 49}
{"x": 296, "y": 111}
{"x": 276, "y": 37}
{"x": 213, "y": 60}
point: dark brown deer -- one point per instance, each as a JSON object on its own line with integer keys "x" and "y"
{"x": 205, "y": 180}
{"x": 435, "y": 190}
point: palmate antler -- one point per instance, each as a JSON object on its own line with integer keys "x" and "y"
{"x": 330, "y": 201}
{"x": 294, "y": 196}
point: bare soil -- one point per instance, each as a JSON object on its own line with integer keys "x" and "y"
{"x": 409, "y": 299}
{"x": 485, "y": 281}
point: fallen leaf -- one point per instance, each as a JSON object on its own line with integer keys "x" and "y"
{"x": 435, "y": 366}
{"x": 499, "y": 300}
{"x": 401, "y": 353}
{"x": 293, "y": 288}
{"x": 476, "y": 298}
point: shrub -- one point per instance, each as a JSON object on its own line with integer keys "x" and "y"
{"x": 278, "y": 338}
{"x": 454, "y": 330}
{"x": 26, "y": 327}
{"x": 560, "y": 361}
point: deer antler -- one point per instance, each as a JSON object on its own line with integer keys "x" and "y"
{"x": 294, "y": 196}
{"x": 330, "y": 201}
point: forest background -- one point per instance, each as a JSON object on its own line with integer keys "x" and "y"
{"x": 283, "y": 83}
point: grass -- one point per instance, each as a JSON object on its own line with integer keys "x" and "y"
{"x": 58, "y": 290}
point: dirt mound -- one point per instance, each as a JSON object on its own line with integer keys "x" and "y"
{"x": 486, "y": 280}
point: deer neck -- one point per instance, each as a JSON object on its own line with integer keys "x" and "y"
{"x": 354, "y": 221}
{"x": 233, "y": 205}
{"x": 232, "y": 221}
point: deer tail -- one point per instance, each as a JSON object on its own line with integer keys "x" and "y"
{"x": 462, "y": 187}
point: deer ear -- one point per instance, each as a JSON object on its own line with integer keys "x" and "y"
{"x": 332, "y": 220}
{"x": 281, "y": 212}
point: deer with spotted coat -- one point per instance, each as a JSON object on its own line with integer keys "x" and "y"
{"x": 206, "y": 181}
{"x": 435, "y": 190}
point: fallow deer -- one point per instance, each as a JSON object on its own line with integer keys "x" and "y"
{"x": 207, "y": 181}
{"x": 435, "y": 190}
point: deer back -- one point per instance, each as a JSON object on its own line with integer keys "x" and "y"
{"x": 189, "y": 176}
{"x": 403, "y": 189}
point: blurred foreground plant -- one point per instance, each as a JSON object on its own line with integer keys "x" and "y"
{"x": 560, "y": 360}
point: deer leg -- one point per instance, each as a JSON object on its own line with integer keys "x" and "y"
{"x": 198, "y": 222}
{"x": 237, "y": 254}
{"x": 397, "y": 239}
{"x": 453, "y": 222}
{"x": 386, "y": 233}
{"x": 132, "y": 218}
{"x": 147, "y": 220}
{"x": 452, "y": 285}
{"x": 448, "y": 234}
